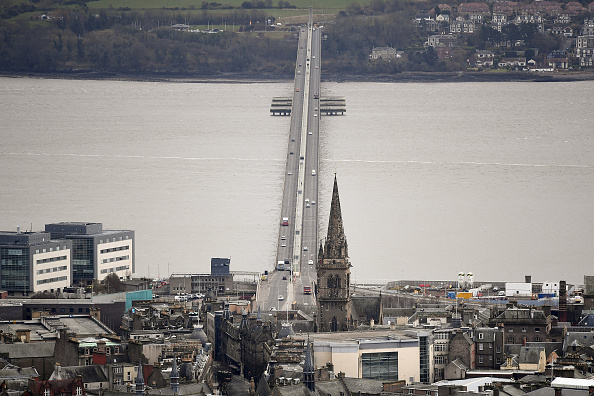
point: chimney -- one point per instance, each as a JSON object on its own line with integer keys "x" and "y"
{"x": 557, "y": 391}
{"x": 101, "y": 346}
{"x": 24, "y": 335}
{"x": 527, "y": 279}
{"x": 252, "y": 386}
{"x": 58, "y": 370}
{"x": 18, "y": 229}
{"x": 96, "y": 313}
{"x": 371, "y": 323}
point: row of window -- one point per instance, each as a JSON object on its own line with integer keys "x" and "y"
{"x": 110, "y": 270}
{"x": 481, "y": 359}
{"x": 512, "y": 340}
{"x": 51, "y": 249}
{"x": 51, "y": 280}
{"x": 440, "y": 359}
{"x": 112, "y": 239}
{"x": 87, "y": 351}
{"x": 55, "y": 269}
{"x": 115, "y": 249}
{"x": 51, "y": 259}
{"x": 536, "y": 330}
{"x": 112, "y": 259}
{"x": 48, "y": 392}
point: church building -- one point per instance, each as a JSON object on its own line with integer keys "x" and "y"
{"x": 334, "y": 274}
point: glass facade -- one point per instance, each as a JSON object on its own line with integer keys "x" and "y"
{"x": 83, "y": 260}
{"x": 15, "y": 269}
{"x": 380, "y": 366}
{"x": 424, "y": 359}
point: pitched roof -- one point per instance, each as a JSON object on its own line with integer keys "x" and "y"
{"x": 363, "y": 385}
{"x": 89, "y": 374}
{"x": 28, "y": 350}
{"x": 530, "y": 354}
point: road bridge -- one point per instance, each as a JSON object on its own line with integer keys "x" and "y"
{"x": 298, "y": 223}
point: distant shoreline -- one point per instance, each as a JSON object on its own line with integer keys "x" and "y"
{"x": 243, "y": 78}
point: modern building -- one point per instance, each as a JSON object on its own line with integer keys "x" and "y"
{"x": 96, "y": 252}
{"x": 33, "y": 262}
{"x": 219, "y": 266}
{"x": 387, "y": 355}
{"x": 334, "y": 274}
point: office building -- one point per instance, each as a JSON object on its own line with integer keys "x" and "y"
{"x": 32, "y": 262}
{"x": 96, "y": 252}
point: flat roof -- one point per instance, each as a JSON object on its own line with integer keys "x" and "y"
{"x": 361, "y": 335}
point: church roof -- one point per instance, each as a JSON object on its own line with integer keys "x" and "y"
{"x": 336, "y": 245}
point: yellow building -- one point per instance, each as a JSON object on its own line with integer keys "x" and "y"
{"x": 379, "y": 354}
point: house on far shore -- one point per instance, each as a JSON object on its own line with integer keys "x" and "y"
{"x": 385, "y": 53}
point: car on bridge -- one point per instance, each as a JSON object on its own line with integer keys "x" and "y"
{"x": 280, "y": 298}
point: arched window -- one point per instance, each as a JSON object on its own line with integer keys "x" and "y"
{"x": 330, "y": 282}
{"x": 338, "y": 281}
{"x": 334, "y": 324}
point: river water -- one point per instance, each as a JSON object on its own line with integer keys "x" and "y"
{"x": 496, "y": 179}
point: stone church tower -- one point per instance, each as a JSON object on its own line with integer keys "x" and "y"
{"x": 334, "y": 274}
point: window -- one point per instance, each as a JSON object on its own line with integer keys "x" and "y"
{"x": 537, "y": 339}
{"x": 510, "y": 330}
{"x": 498, "y": 350}
{"x": 537, "y": 329}
{"x": 47, "y": 392}
{"x": 498, "y": 360}
{"x": 380, "y": 366}
{"x": 481, "y": 346}
{"x": 481, "y": 336}
{"x": 523, "y": 329}
{"x": 78, "y": 391}
{"x": 480, "y": 358}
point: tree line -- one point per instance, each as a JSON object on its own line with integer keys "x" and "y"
{"x": 144, "y": 42}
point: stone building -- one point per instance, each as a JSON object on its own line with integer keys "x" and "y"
{"x": 462, "y": 348}
{"x": 334, "y": 274}
{"x": 488, "y": 348}
{"x": 522, "y": 325}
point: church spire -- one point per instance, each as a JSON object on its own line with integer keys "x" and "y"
{"x": 140, "y": 380}
{"x": 308, "y": 369}
{"x": 336, "y": 245}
